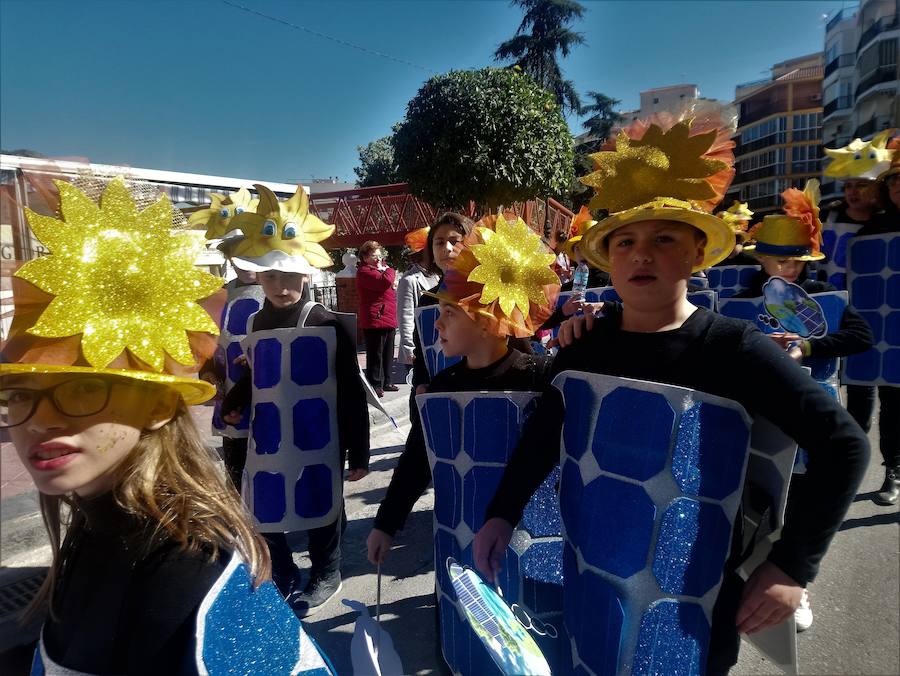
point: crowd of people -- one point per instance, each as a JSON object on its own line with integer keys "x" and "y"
{"x": 142, "y": 523}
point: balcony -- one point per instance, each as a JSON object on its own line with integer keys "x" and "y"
{"x": 778, "y": 138}
{"x": 763, "y": 202}
{"x": 885, "y": 73}
{"x": 834, "y": 21}
{"x": 806, "y": 167}
{"x": 883, "y": 24}
{"x": 756, "y": 174}
{"x": 751, "y": 113}
{"x": 840, "y": 103}
{"x": 873, "y": 126}
{"x": 842, "y": 61}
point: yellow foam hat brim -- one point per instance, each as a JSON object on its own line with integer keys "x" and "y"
{"x": 569, "y": 245}
{"x": 192, "y": 390}
{"x": 720, "y": 238}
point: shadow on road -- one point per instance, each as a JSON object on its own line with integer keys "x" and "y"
{"x": 876, "y": 520}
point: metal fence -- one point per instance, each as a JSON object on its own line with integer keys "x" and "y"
{"x": 326, "y": 295}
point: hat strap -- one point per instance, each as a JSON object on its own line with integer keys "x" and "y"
{"x": 782, "y": 249}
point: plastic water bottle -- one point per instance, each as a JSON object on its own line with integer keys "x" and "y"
{"x": 580, "y": 280}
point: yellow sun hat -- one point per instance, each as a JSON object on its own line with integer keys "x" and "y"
{"x": 861, "y": 159}
{"x": 796, "y": 234}
{"x": 673, "y": 168}
{"x": 581, "y": 223}
{"x": 281, "y": 236}
{"x": 738, "y": 216}
{"x": 118, "y": 295}
{"x": 222, "y": 209}
{"x": 502, "y": 273}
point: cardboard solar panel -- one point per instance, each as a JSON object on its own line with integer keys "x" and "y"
{"x": 435, "y": 361}
{"x": 835, "y": 238}
{"x": 874, "y": 283}
{"x": 292, "y": 480}
{"x": 234, "y": 324}
{"x": 651, "y": 480}
{"x": 469, "y": 439}
{"x": 730, "y": 280}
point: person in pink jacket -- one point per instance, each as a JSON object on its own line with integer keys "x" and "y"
{"x": 376, "y": 284}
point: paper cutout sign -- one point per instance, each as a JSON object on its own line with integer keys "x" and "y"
{"x": 792, "y": 310}
{"x": 507, "y": 640}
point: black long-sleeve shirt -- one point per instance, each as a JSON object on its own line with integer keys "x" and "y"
{"x": 352, "y": 409}
{"x": 853, "y": 336}
{"x": 515, "y": 372}
{"x": 123, "y": 606}
{"x": 724, "y": 357}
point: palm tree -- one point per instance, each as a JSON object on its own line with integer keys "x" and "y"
{"x": 542, "y": 33}
{"x": 604, "y": 118}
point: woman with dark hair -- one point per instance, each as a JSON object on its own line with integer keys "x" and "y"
{"x": 376, "y": 284}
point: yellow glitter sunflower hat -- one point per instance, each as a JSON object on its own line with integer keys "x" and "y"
{"x": 281, "y": 235}
{"x": 738, "y": 217}
{"x": 117, "y": 295}
{"x": 673, "y": 168}
{"x": 861, "y": 159}
{"x": 796, "y": 234}
{"x": 223, "y": 208}
{"x": 581, "y": 223}
{"x": 503, "y": 273}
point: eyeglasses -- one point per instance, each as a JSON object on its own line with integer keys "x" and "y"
{"x": 76, "y": 398}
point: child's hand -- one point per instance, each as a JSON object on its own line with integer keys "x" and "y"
{"x": 785, "y": 339}
{"x": 356, "y": 474}
{"x": 795, "y": 353}
{"x": 240, "y": 360}
{"x": 232, "y": 417}
{"x": 422, "y": 389}
{"x": 378, "y": 544}
{"x": 770, "y": 597}
{"x": 572, "y": 305}
{"x": 572, "y": 329}
{"x": 490, "y": 545}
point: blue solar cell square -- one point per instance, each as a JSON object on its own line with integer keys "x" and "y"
{"x": 673, "y": 639}
{"x": 267, "y": 363}
{"x": 490, "y": 429}
{"x": 240, "y": 312}
{"x": 892, "y": 327}
{"x": 269, "y": 503}
{"x": 266, "y": 428}
{"x": 710, "y": 447}
{"x": 891, "y": 366}
{"x": 311, "y": 424}
{"x": 840, "y": 250}
{"x": 479, "y": 486}
{"x": 893, "y": 257}
{"x": 868, "y": 256}
{"x": 867, "y": 293}
{"x": 447, "y": 495}
{"x": 876, "y": 323}
{"x": 729, "y": 277}
{"x": 864, "y": 367}
{"x": 232, "y": 352}
{"x": 309, "y": 360}
{"x": 441, "y": 418}
{"x": 615, "y": 525}
{"x": 691, "y": 547}
{"x": 313, "y": 492}
{"x": 598, "y": 631}
{"x": 746, "y": 274}
{"x": 892, "y": 291}
{"x": 445, "y": 546}
{"x": 633, "y": 433}
{"x": 541, "y": 515}
{"x": 570, "y": 504}
{"x": 580, "y": 404}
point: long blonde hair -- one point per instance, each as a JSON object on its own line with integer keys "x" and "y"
{"x": 170, "y": 480}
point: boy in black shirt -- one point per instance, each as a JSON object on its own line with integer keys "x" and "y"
{"x": 651, "y": 248}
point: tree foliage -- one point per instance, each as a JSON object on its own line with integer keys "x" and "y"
{"x": 543, "y": 33}
{"x": 603, "y": 118}
{"x": 377, "y": 165}
{"x": 492, "y": 136}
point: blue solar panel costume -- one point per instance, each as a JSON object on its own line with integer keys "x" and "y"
{"x": 434, "y": 358}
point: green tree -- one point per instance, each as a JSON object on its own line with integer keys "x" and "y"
{"x": 603, "y": 118}
{"x": 492, "y": 136}
{"x": 377, "y": 165}
{"x": 543, "y": 33}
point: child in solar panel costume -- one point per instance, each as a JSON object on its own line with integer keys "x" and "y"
{"x": 285, "y": 491}
{"x": 160, "y": 570}
{"x": 658, "y": 231}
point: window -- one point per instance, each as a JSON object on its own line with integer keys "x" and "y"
{"x": 775, "y": 127}
{"x": 807, "y": 127}
{"x": 764, "y": 189}
{"x": 655, "y": 100}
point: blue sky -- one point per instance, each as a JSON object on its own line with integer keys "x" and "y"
{"x": 200, "y": 86}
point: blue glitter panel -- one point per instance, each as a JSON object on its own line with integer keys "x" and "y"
{"x": 240, "y": 312}
{"x": 691, "y": 547}
{"x": 266, "y": 428}
{"x": 598, "y": 629}
{"x": 580, "y": 406}
{"x": 615, "y": 524}
{"x": 312, "y": 426}
{"x": 312, "y": 495}
{"x": 633, "y": 433}
{"x": 309, "y": 360}
{"x": 709, "y": 452}
{"x": 541, "y": 515}
{"x": 267, "y": 363}
{"x": 479, "y": 486}
{"x": 490, "y": 429}
{"x": 441, "y": 421}
{"x": 541, "y": 566}
{"x": 673, "y": 639}
{"x": 250, "y": 631}
{"x": 268, "y": 497}
{"x": 867, "y": 293}
{"x": 869, "y": 256}
{"x": 447, "y": 495}
{"x": 232, "y": 352}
